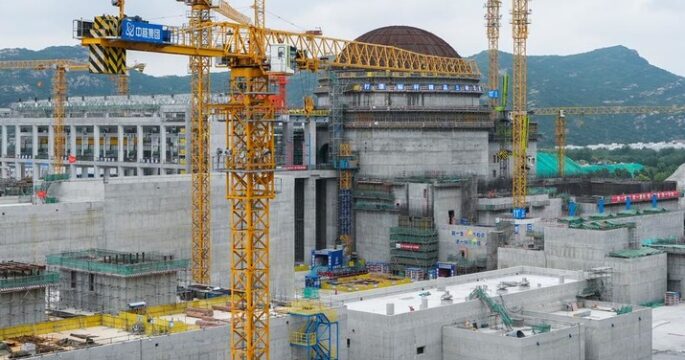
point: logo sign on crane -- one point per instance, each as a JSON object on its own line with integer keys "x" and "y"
{"x": 142, "y": 32}
{"x": 493, "y": 94}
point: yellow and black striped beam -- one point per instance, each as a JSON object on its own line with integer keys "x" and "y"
{"x": 106, "y": 60}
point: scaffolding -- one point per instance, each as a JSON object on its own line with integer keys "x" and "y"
{"x": 599, "y": 284}
{"x": 413, "y": 244}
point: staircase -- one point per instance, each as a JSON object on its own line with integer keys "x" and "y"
{"x": 318, "y": 336}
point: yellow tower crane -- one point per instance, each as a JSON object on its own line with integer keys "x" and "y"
{"x": 252, "y": 52}
{"x": 492, "y": 22}
{"x": 59, "y": 96}
{"x": 562, "y": 112}
{"x": 520, "y": 24}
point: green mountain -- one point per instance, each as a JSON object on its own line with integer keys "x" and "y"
{"x": 604, "y": 77}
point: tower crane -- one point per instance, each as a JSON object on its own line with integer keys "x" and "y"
{"x": 562, "y": 112}
{"x": 59, "y": 95}
{"x": 520, "y": 13}
{"x": 252, "y": 52}
{"x": 492, "y": 22}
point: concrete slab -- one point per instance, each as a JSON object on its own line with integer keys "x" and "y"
{"x": 668, "y": 330}
{"x": 404, "y": 300}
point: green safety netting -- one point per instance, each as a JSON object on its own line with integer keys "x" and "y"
{"x": 547, "y": 166}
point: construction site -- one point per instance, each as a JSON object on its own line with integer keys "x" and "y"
{"x": 404, "y": 212}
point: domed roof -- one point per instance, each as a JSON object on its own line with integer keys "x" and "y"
{"x": 410, "y": 38}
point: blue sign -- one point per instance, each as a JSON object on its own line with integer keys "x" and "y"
{"x": 457, "y": 87}
{"x": 400, "y": 86}
{"x": 519, "y": 213}
{"x": 493, "y": 94}
{"x": 367, "y": 87}
{"x": 142, "y": 32}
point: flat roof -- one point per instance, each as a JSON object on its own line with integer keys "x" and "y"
{"x": 460, "y": 292}
{"x": 668, "y": 329}
{"x": 594, "y": 314}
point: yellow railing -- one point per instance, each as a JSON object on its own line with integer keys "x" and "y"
{"x": 304, "y": 339}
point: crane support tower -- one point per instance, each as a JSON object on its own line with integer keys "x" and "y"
{"x": 520, "y": 24}
{"x": 492, "y": 21}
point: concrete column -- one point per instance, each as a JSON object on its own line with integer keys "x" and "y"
{"x": 139, "y": 144}
{"x": 17, "y": 141}
{"x": 34, "y": 143}
{"x": 162, "y": 144}
{"x": 309, "y": 217}
{"x": 3, "y": 142}
{"x": 96, "y": 143}
{"x": 288, "y": 141}
{"x": 72, "y": 140}
{"x": 311, "y": 143}
{"x": 51, "y": 142}
{"x": 120, "y": 144}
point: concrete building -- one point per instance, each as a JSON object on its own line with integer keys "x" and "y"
{"x": 108, "y": 136}
{"x": 110, "y": 281}
{"x": 415, "y": 320}
{"x": 638, "y": 275}
{"x": 23, "y": 293}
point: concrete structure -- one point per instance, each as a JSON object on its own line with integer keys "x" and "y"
{"x": 23, "y": 293}
{"x": 636, "y": 277}
{"x": 111, "y": 281}
{"x": 676, "y": 266}
{"x": 136, "y": 135}
{"x": 411, "y": 321}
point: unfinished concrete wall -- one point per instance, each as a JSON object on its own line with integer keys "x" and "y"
{"x": 140, "y": 215}
{"x": 447, "y": 199}
{"x": 207, "y": 344}
{"x": 638, "y": 280}
{"x": 29, "y": 232}
{"x": 581, "y": 249}
{"x": 559, "y": 344}
{"x": 22, "y": 307}
{"x": 510, "y": 257}
{"x": 668, "y": 224}
{"x": 388, "y": 153}
{"x": 374, "y": 336}
{"x": 676, "y": 272}
{"x": 627, "y": 336}
{"x": 99, "y": 292}
{"x": 372, "y": 233}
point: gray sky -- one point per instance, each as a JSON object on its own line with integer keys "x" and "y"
{"x": 652, "y": 27}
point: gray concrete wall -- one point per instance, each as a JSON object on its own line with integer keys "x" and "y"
{"x": 374, "y": 336}
{"x": 510, "y": 257}
{"x": 113, "y": 293}
{"x": 627, "y": 336}
{"x": 638, "y": 280}
{"x": 395, "y": 153}
{"x": 559, "y": 344}
{"x": 651, "y": 226}
{"x": 581, "y": 249}
{"x": 22, "y": 307}
{"x": 676, "y": 272}
{"x": 446, "y": 199}
{"x": 372, "y": 232}
{"x": 136, "y": 215}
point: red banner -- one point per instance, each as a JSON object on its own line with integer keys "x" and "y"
{"x": 642, "y": 197}
{"x": 410, "y": 247}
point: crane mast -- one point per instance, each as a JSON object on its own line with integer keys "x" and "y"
{"x": 492, "y": 20}
{"x": 520, "y": 24}
{"x": 200, "y": 36}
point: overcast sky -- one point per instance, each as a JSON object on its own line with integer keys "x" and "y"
{"x": 652, "y": 27}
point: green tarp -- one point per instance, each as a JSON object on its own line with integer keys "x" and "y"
{"x": 547, "y": 166}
